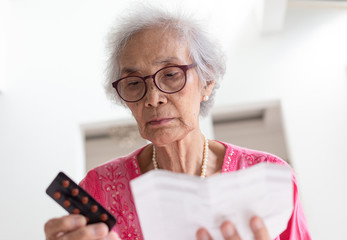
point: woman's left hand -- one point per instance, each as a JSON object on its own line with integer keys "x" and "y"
{"x": 229, "y": 231}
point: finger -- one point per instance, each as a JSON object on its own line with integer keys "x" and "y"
{"x": 111, "y": 236}
{"x": 63, "y": 224}
{"x": 92, "y": 231}
{"x": 259, "y": 229}
{"x": 229, "y": 231}
{"x": 202, "y": 234}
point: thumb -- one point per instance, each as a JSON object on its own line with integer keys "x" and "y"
{"x": 113, "y": 236}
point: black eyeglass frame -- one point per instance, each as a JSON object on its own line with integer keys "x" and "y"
{"x": 183, "y": 67}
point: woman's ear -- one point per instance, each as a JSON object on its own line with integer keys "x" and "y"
{"x": 207, "y": 90}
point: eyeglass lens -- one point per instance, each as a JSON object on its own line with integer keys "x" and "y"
{"x": 168, "y": 80}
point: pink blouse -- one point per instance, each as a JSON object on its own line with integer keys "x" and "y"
{"x": 109, "y": 184}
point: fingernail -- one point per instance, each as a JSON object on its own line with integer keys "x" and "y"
{"x": 228, "y": 230}
{"x": 257, "y": 224}
{"x": 100, "y": 230}
{"x": 79, "y": 220}
{"x": 112, "y": 236}
{"x": 204, "y": 236}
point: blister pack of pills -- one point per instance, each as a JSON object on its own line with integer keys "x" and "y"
{"x": 76, "y": 200}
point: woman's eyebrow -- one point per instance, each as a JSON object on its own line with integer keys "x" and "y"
{"x": 127, "y": 70}
{"x": 160, "y": 62}
{"x": 166, "y": 60}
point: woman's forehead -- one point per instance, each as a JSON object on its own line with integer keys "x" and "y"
{"x": 155, "y": 47}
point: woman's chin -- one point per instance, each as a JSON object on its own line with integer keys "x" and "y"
{"x": 162, "y": 137}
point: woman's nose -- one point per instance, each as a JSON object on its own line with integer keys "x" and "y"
{"x": 154, "y": 97}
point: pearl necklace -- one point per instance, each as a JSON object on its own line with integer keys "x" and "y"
{"x": 204, "y": 160}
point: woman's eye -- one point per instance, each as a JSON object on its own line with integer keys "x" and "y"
{"x": 133, "y": 83}
{"x": 170, "y": 74}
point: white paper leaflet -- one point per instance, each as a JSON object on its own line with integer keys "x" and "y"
{"x": 174, "y": 205}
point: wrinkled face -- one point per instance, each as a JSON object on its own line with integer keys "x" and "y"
{"x": 162, "y": 118}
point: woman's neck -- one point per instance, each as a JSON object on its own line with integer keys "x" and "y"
{"x": 184, "y": 156}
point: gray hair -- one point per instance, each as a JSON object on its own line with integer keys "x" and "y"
{"x": 203, "y": 51}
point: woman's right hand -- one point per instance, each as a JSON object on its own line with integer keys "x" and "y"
{"x": 229, "y": 231}
{"x": 74, "y": 226}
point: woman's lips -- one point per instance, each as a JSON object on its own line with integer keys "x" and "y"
{"x": 159, "y": 121}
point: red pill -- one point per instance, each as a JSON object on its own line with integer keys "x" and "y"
{"x": 57, "y": 195}
{"x": 76, "y": 211}
{"x": 85, "y": 200}
{"x": 66, "y": 203}
{"x": 87, "y": 219}
{"x": 94, "y": 208}
{"x": 74, "y": 192}
{"x": 104, "y": 217}
{"x": 66, "y": 183}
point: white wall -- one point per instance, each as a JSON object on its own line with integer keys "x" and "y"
{"x": 55, "y": 65}
{"x": 4, "y": 29}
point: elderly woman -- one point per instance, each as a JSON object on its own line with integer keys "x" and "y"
{"x": 165, "y": 70}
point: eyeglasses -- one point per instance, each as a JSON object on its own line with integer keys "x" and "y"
{"x": 169, "y": 80}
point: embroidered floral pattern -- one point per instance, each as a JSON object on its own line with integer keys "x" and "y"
{"x": 228, "y": 164}
{"x": 115, "y": 180}
{"x": 239, "y": 159}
